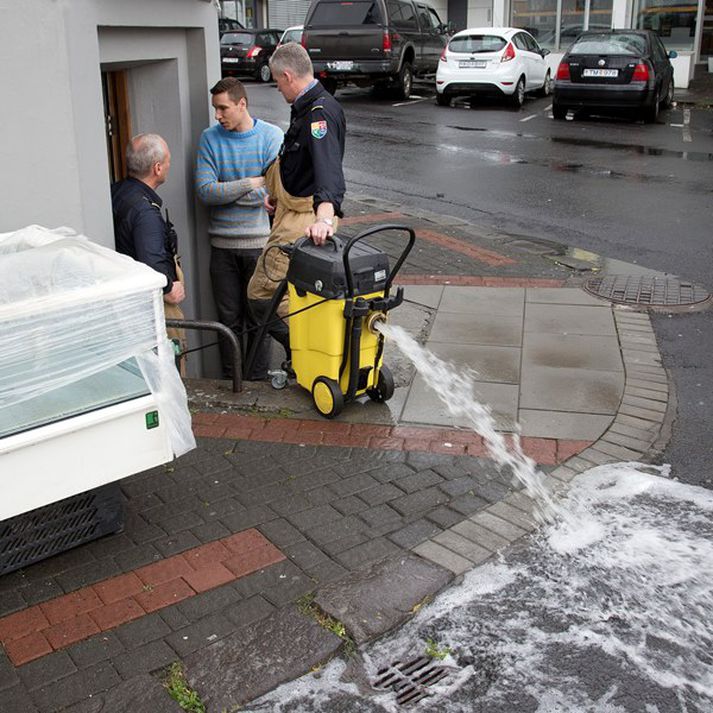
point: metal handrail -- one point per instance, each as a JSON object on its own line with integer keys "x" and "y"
{"x": 228, "y": 333}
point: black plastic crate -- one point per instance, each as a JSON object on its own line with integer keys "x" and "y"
{"x": 55, "y": 528}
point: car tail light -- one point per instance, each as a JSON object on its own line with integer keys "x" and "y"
{"x": 254, "y": 52}
{"x": 563, "y": 71}
{"x": 303, "y": 40}
{"x": 443, "y": 55}
{"x": 508, "y": 54}
{"x": 641, "y": 73}
{"x": 386, "y": 42}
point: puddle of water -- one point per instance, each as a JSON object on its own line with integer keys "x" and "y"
{"x": 606, "y": 609}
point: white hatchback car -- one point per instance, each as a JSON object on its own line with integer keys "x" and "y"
{"x": 500, "y": 61}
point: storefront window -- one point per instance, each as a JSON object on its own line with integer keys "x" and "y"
{"x": 673, "y": 20}
{"x": 539, "y": 18}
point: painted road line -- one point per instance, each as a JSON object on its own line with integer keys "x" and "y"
{"x": 687, "y": 126}
{"x": 527, "y": 118}
{"x": 421, "y": 99}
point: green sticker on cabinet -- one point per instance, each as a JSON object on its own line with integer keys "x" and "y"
{"x": 152, "y": 419}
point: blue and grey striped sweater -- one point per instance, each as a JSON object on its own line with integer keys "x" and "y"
{"x": 226, "y": 160}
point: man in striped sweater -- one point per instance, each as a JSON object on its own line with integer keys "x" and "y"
{"x": 233, "y": 155}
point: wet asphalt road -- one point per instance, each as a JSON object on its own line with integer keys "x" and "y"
{"x": 634, "y": 192}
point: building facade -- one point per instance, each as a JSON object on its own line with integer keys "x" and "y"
{"x": 79, "y": 78}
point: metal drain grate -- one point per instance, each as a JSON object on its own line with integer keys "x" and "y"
{"x": 646, "y": 290}
{"x": 411, "y": 680}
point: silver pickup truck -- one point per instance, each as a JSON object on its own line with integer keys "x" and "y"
{"x": 379, "y": 43}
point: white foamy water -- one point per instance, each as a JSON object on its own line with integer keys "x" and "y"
{"x": 611, "y": 614}
{"x": 608, "y": 608}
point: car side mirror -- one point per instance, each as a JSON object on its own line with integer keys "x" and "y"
{"x": 672, "y": 54}
{"x": 544, "y": 52}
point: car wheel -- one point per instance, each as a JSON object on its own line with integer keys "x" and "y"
{"x": 404, "y": 81}
{"x": 651, "y": 113}
{"x": 668, "y": 99}
{"x": 546, "y": 88}
{"x": 559, "y": 112}
{"x": 263, "y": 73}
{"x": 518, "y": 96}
{"x": 443, "y": 100}
{"x": 330, "y": 84}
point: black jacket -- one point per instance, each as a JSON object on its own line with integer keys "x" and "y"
{"x": 311, "y": 155}
{"x": 140, "y": 230}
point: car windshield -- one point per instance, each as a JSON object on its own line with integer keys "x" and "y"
{"x": 236, "y": 38}
{"x": 346, "y": 14}
{"x": 476, "y": 43}
{"x": 610, "y": 44}
{"x": 292, "y": 36}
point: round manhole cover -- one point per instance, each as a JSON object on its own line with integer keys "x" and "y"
{"x": 646, "y": 290}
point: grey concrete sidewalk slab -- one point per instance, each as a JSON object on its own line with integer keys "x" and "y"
{"x": 571, "y": 351}
{"x": 468, "y": 328}
{"x": 427, "y": 295}
{"x": 374, "y": 601}
{"x": 576, "y": 390}
{"x": 490, "y": 363}
{"x": 483, "y": 300}
{"x": 258, "y": 658}
{"x": 425, "y": 407}
{"x": 566, "y": 319}
{"x": 563, "y": 296}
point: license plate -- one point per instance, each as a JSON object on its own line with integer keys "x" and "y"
{"x": 341, "y": 66}
{"x": 600, "y": 72}
{"x": 231, "y": 60}
{"x": 472, "y": 64}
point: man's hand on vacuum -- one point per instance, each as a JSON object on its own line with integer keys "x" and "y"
{"x": 176, "y": 294}
{"x": 323, "y": 227}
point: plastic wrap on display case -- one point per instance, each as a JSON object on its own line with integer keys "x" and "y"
{"x": 72, "y": 311}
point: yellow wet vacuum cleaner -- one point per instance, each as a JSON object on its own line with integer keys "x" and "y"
{"x": 338, "y": 293}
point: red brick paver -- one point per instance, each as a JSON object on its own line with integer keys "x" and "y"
{"x": 53, "y": 625}
{"x": 449, "y": 441}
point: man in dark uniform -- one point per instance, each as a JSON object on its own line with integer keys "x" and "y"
{"x": 306, "y": 183}
{"x": 140, "y": 230}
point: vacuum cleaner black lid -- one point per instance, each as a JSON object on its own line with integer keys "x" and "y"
{"x": 320, "y": 269}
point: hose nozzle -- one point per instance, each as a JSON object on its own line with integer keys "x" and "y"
{"x": 375, "y": 319}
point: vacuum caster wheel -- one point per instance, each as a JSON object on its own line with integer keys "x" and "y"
{"x": 384, "y": 388}
{"x": 327, "y": 396}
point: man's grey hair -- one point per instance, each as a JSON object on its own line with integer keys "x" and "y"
{"x": 291, "y": 57}
{"x": 143, "y": 151}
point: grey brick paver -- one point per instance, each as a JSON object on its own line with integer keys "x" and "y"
{"x": 647, "y": 385}
{"x": 563, "y": 473}
{"x": 513, "y": 515}
{"x": 372, "y": 551}
{"x": 468, "y": 504}
{"x": 646, "y": 403}
{"x": 638, "y": 412}
{"x": 381, "y": 515}
{"x": 504, "y": 528}
{"x": 444, "y": 557}
{"x": 480, "y": 535}
{"x": 463, "y": 546}
{"x": 414, "y": 533}
{"x": 145, "y": 659}
{"x": 46, "y": 670}
{"x": 203, "y": 632}
{"x": 249, "y": 610}
{"x": 419, "y": 481}
{"x": 444, "y": 517}
{"x": 314, "y": 517}
{"x": 598, "y": 457}
{"x": 617, "y": 451}
{"x": 419, "y": 501}
{"x": 352, "y": 485}
{"x": 635, "y": 444}
{"x": 380, "y": 494}
{"x": 650, "y": 394}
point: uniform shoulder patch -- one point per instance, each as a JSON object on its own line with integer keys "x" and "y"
{"x": 319, "y": 129}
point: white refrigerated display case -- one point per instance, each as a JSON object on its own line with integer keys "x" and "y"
{"x": 89, "y": 392}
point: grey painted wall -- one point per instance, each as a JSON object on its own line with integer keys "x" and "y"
{"x": 53, "y": 145}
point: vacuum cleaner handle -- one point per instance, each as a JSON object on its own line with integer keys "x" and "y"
{"x": 367, "y": 233}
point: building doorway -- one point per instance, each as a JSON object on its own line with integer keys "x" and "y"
{"x": 117, "y": 121}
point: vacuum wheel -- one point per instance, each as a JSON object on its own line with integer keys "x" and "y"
{"x": 327, "y": 396}
{"x": 384, "y": 388}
